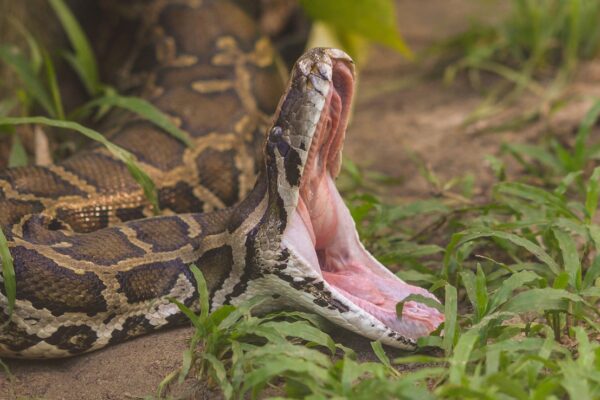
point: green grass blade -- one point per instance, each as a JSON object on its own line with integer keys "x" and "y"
{"x": 469, "y": 235}
{"x": 540, "y": 300}
{"x": 570, "y": 257}
{"x": 476, "y": 288}
{"x": 509, "y": 285}
{"x": 418, "y": 298}
{"x": 8, "y": 273}
{"x": 32, "y": 84}
{"x": 144, "y": 109}
{"x": 450, "y": 324}
{"x": 380, "y": 353}
{"x": 189, "y": 313}
{"x": 534, "y": 194}
{"x": 592, "y": 273}
{"x": 537, "y": 153}
{"x": 83, "y": 60}
{"x": 18, "y": 155}
{"x": 302, "y": 330}
{"x": 591, "y": 195}
{"x": 220, "y": 374}
{"x": 461, "y": 355}
{"x": 129, "y": 159}
{"x": 53, "y": 85}
{"x": 582, "y": 136}
{"x": 202, "y": 292}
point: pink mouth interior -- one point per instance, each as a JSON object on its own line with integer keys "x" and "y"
{"x": 328, "y": 238}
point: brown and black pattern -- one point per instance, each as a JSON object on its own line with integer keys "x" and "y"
{"x": 93, "y": 265}
{"x": 218, "y": 82}
{"x": 206, "y": 87}
{"x": 73, "y": 292}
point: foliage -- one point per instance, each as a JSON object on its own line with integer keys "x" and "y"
{"x": 244, "y": 354}
{"x": 519, "y": 278}
{"x": 357, "y": 22}
{"x": 538, "y": 40}
{"x": 519, "y": 274}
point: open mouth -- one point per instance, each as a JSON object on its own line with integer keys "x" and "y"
{"x": 323, "y": 234}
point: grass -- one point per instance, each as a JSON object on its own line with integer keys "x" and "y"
{"x": 519, "y": 273}
{"x": 519, "y": 276}
{"x": 535, "y": 49}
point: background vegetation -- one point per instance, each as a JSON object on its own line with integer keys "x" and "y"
{"x": 518, "y": 272}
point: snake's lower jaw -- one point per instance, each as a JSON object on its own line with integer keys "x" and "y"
{"x": 357, "y": 291}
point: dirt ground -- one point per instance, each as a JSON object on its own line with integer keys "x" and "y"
{"x": 394, "y": 116}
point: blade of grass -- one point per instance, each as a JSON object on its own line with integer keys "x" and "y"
{"x": 570, "y": 257}
{"x": 469, "y": 235}
{"x": 461, "y": 355}
{"x": 82, "y": 60}
{"x": 591, "y": 196}
{"x": 582, "y": 135}
{"x": 53, "y": 85}
{"x": 18, "y": 155}
{"x": 450, "y": 312}
{"x": 32, "y": 84}
{"x": 8, "y": 274}
{"x": 144, "y": 109}
{"x": 418, "y": 298}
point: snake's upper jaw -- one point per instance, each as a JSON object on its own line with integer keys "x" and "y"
{"x": 338, "y": 276}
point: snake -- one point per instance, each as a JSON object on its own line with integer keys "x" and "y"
{"x": 251, "y": 201}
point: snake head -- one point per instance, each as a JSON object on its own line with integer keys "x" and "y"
{"x": 306, "y": 246}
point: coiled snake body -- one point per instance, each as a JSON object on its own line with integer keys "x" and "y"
{"x": 94, "y": 268}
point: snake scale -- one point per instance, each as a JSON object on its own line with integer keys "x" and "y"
{"x": 258, "y": 214}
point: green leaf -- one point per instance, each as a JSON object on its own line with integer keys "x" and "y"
{"x": 570, "y": 257}
{"x": 372, "y": 19}
{"x": 203, "y": 296}
{"x": 380, "y": 353}
{"x": 302, "y": 330}
{"x": 540, "y": 300}
{"x": 476, "y": 291}
{"x": 591, "y": 196}
{"x": 194, "y": 319}
{"x": 83, "y": 60}
{"x": 534, "y": 152}
{"x": 450, "y": 312}
{"x": 592, "y": 273}
{"x": 188, "y": 358}
{"x": 418, "y": 298}
{"x": 8, "y": 274}
{"x": 469, "y": 235}
{"x": 240, "y": 311}
{"x": 220, "y": 373}
{"x": 129, "y": 159}
{"x": 461, "y": 355}
{"x": 53, "y": 85}
{"x": 582, "y": 135}
{"x": 32, "y": 84}
{"x": 144, "y": 109}
{"x": 534, "y": 194}
{"x": 18, "y": 155}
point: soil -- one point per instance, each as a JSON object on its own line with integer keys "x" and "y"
{"x": 397, "y": 113}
